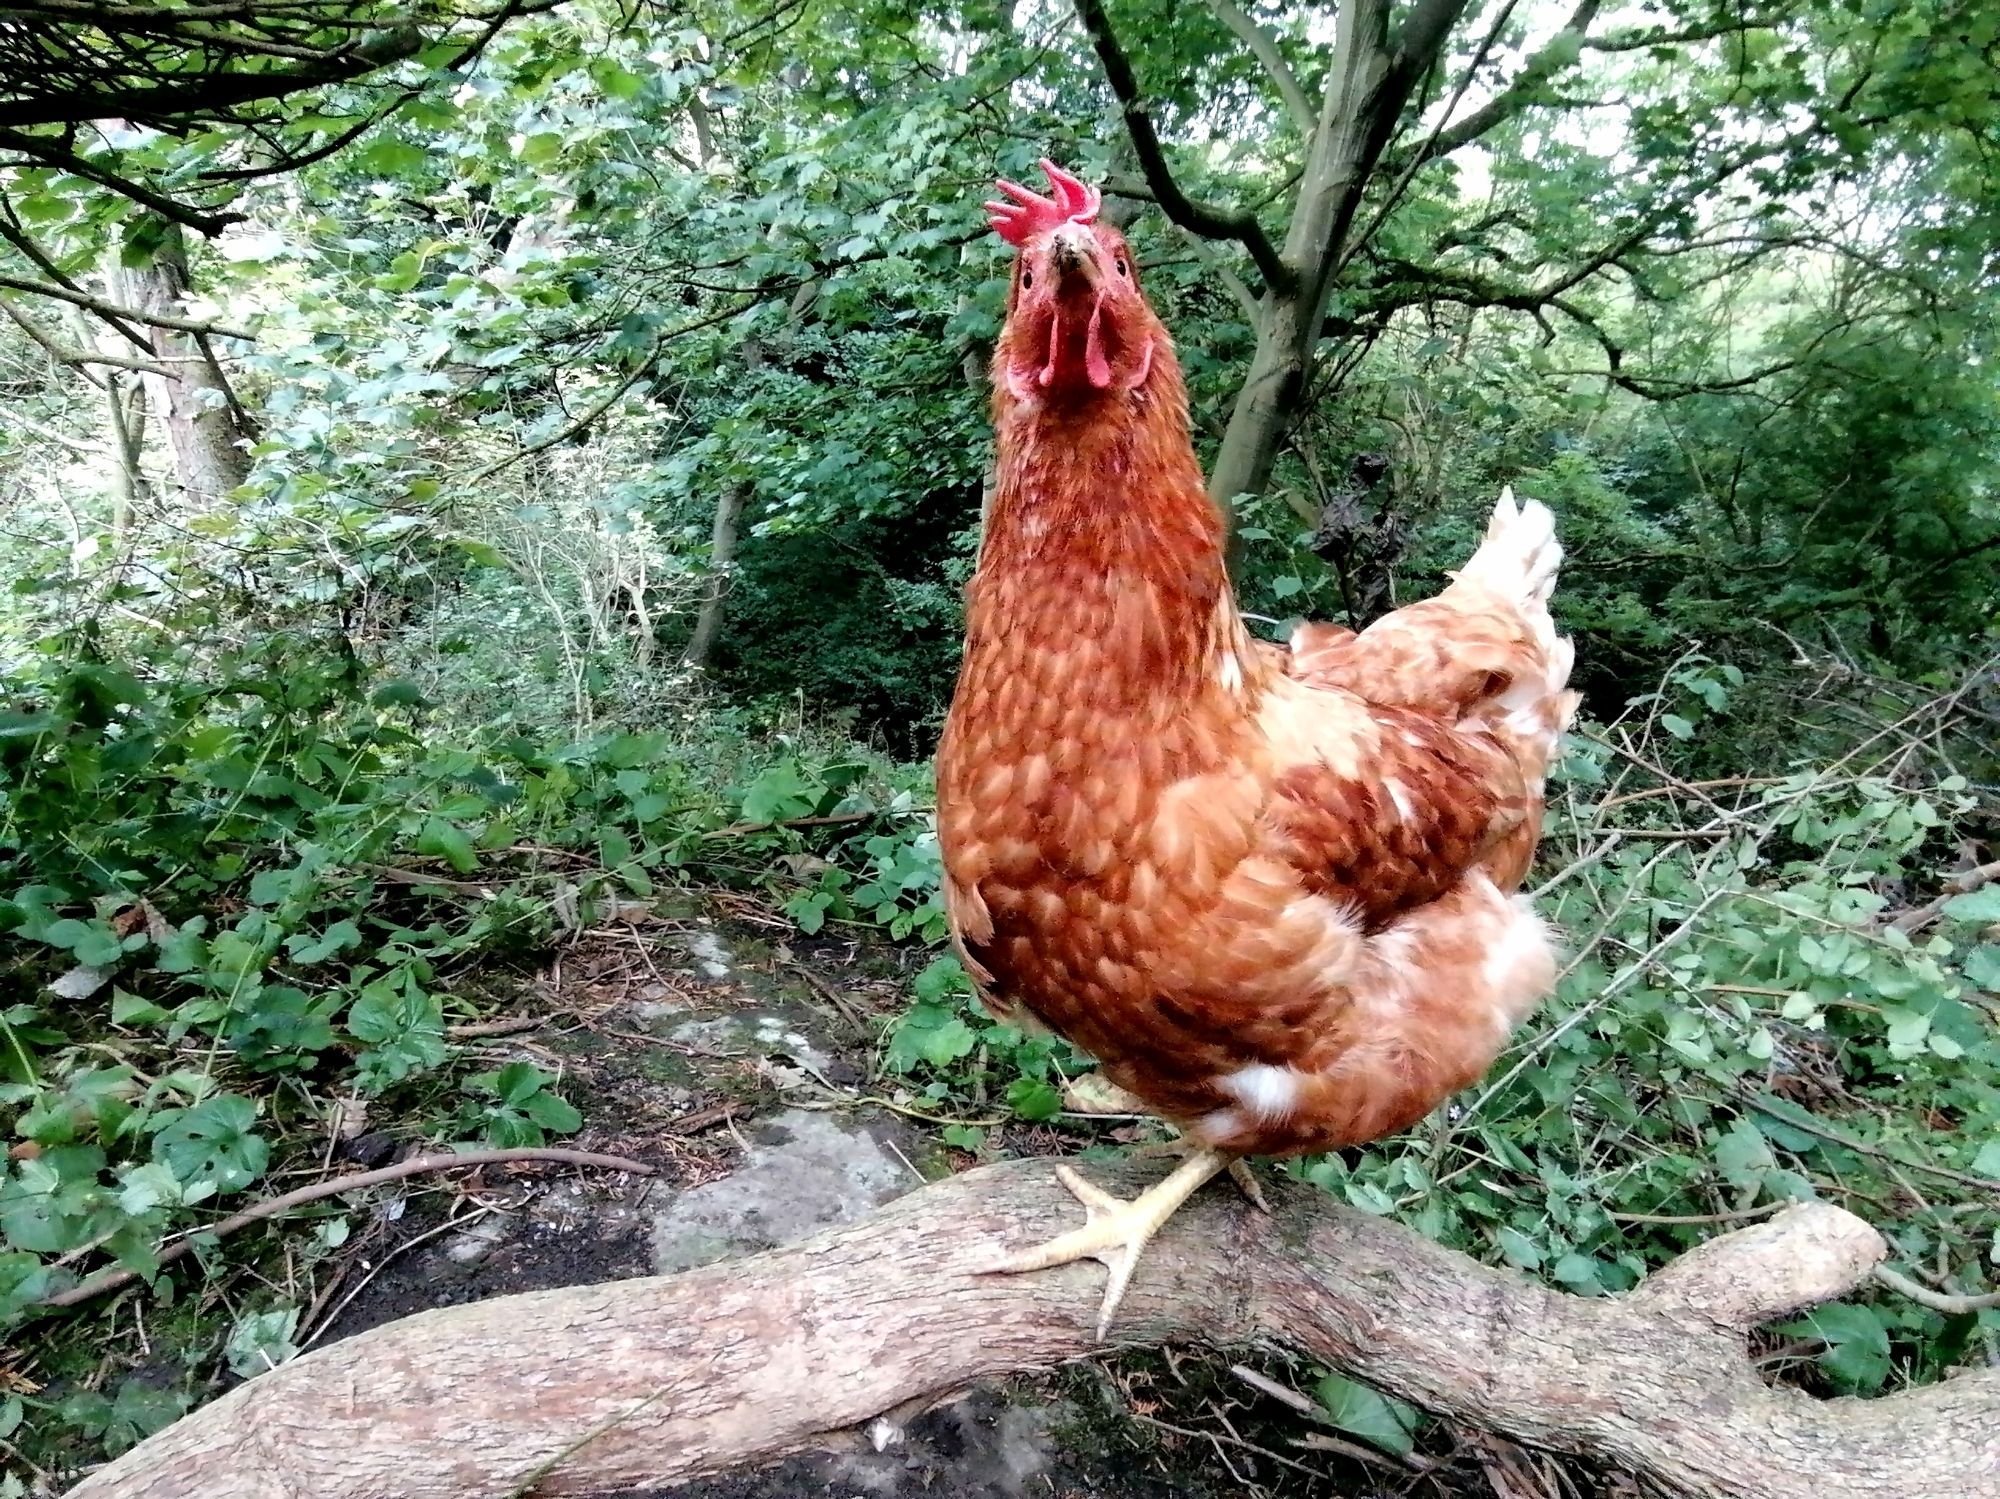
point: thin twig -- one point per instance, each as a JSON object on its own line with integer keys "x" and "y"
{"x": 510, "y": 1026}
{"x": 1303, "y": 1404}
{"x": 1937, "y": 1301}
{"x": 1731, "y": 1216}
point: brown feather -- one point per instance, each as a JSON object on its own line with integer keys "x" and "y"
{"x": 1268, "y": 889}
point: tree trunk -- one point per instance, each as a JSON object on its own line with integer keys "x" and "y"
{"x": 124, "y": 425}
{"x": 721, "y": 558}
{"x": 1367, "y": 86}
{"x": 657, "y": 1381}
{"x": 205, "y": 427}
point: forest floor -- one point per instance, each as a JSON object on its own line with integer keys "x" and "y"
{"x": 739, "y": 1060}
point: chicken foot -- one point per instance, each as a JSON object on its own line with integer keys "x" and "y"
{"x": 1094, "y": 1093}
{"x": 1116, "y": 1230}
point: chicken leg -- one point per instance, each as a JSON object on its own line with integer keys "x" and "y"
{"x": 1116, "y": 1230}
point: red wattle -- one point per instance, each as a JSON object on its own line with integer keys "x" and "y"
{"x": 1048, "y": 374}
{"x": 1095, "y": 364}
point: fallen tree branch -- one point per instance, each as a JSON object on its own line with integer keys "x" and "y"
{"x": 655, "y": 1381}
{"x": 272, "y": 1207}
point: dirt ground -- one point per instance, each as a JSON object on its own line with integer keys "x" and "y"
{"x": 744, "y": 1068}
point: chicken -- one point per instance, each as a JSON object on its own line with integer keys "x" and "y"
{"x": 1272, "y": 890}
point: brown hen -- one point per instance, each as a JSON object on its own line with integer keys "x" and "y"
{"x": 1270, "y": 889}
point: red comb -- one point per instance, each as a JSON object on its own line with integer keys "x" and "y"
{"x": 1075, "y": 201}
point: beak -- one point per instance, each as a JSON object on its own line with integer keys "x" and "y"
{"x": 1074, "y": 254}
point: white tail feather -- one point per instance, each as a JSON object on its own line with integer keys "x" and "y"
{"x": 1520, "y": 555}
{"x": 1518, "y": 561}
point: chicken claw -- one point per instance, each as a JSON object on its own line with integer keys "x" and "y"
{"x": 1116, "y": 1230}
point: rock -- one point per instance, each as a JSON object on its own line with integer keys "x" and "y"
{"x": 481, "y": 1239}
{"x": 805, "y": 1171}
{"x": 709, "y": 952}
{"x": 763, "y": 1035}
{"x": 370, "y": 1150}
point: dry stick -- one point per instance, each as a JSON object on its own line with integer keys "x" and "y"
{"x": 1938, "y": 1301}
{"x": 1733, "y": 1215}
{"x": 1685, "y": 788}
{"x": 271, "y": 1207}
{"x": 1283, "y": 1393}
{"x": 511, "y": 1025}
{"x": 829, "y": 820}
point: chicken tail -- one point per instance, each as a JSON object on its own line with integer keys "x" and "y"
{"x": 1517, "y": 563}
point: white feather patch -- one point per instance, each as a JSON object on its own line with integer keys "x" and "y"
{"x": 1266, "y": 1091}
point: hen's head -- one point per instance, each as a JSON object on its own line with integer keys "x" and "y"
{"x": 1077, "y": 325}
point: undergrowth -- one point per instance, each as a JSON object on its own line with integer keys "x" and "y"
{"x": 236, "y": 900}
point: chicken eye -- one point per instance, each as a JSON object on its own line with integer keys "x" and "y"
{"x": 1027, "y": 280}
{"x": 1121, "y": 267}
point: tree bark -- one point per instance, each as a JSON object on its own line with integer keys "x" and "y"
{"x": 204, "y": 425}
{"x": 655, "y": 1381}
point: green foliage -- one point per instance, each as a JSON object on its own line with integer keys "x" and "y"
{"x": 948, "y": 1043}
{"x": 516, "y": 1106}
{"x": 1368, "y": 1414}
{"x": 1737, "y": 1027}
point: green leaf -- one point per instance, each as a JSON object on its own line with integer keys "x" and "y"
{"x": 1384, "y": 1423}
{"x": 447, "y": 841}
{"x": 552, "y": 1113}
{"x": 1982, "y": 905}
{"x": 213, "y": 1142}
{"x": 385, "y": 156}
{"x": 397, "y": 693}
{"x": 519, "y": 1081}
{"x": 130, "y": 1009}
{"x": 1856, "y": 1357}
{"x": 540, "y": 149}
{"x": 615, "y": 81}
{"x": 1576, "y": 1270}
{"x": 1518, "y": 1249}
{"x": 1677, "y": 726}
{"x": 1982, "y": 967}
{"x": 262, "y": 1340}
{"x": 1033, "y": 1099}
{"x": 335, "y": 939}
{"x": 808, "y": 910}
